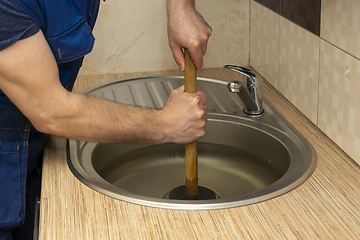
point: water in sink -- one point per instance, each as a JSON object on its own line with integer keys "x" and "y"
{"x": 155, "y": 170}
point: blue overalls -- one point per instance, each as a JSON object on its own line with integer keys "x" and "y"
{"x": 67, "y": 26}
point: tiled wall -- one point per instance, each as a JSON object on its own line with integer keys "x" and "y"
{"x": 315, "y": 64}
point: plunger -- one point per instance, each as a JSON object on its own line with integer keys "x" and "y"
{"x": 191, "y": 190}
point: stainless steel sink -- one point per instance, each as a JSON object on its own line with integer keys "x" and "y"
{"x": 243, "y": 159}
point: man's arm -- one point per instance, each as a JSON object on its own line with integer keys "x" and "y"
{"x": 29, "y": 77}
{"x": 187, "y": 29}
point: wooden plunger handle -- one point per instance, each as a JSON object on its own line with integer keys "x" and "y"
{"x": 191, "y": 164}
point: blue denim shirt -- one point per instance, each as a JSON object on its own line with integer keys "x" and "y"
{"x": 67, "y": 26}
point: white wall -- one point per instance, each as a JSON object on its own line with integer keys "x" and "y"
{"x": 131, "y": 36}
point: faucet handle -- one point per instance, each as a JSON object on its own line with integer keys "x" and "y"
{"x": 249, "y": 76}
{"x": 250, "y": 92}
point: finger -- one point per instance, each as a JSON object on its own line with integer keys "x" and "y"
{"x": 206, "y": 111}
{"x": 179, "y": 57}
{"x": 204, "y": 48}
{"x": 204, "y": 40}
{"x": 197, "y": 56}
{"x": 203, "y": 97}
{"x": 209, "y": 30}
{"x": 204, "y": 43}
{"x": 205, "y": 34}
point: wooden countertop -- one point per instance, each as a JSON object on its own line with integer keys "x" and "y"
{"x": 327, "y": 206}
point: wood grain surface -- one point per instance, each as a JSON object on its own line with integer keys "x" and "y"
{"x": 327, "y": 206}
{"x": 191, "y": 149}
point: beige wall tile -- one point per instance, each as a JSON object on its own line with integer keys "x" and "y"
{"x": 299, "y": 67}
{"x": 339, "y": 98}
{"x": 325, "y": 88}
{"x": 131, "y": 36}
{"x": 340, "y": 24}
{"x": 264, "y": 42}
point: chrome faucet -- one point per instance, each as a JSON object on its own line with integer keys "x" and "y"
{"x": 250, "y": 92}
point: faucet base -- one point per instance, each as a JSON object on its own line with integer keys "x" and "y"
{"x": 254, "y": 113}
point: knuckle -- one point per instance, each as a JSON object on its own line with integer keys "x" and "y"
{"x": 196, "y": 99}
{"x": 204, "y": 36}
{"x": 205, "y": 109}
{"x": 201, "y": 133}
{"x": 201, "y": 114}
{"x": 195, "y": 43}
{"x": 203, "y": 124}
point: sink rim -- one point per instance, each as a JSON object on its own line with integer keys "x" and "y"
{"x": 274, "y": 190}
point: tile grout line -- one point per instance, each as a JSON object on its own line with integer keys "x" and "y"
{"x": 250, "y": 12}
{"x": 340, "y": 49}
{"x": 279, "y": 44}
{"x": 318, "y": 90}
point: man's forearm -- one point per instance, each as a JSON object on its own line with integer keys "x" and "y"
{"x": 182, "y": 120}
{"x": 29, "y": 77}
{"x": 99, "y": 120}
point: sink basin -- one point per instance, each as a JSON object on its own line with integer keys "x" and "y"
{"x": 243, "y": 159}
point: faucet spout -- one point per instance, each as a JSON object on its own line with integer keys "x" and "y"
{"x": 250, "y": 92}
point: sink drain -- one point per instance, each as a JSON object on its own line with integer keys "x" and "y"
{"x": 204, "y": 193}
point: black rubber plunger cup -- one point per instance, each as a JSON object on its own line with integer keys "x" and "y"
{"x": 204, "y": 193}
{"x": 191, "y": 190}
